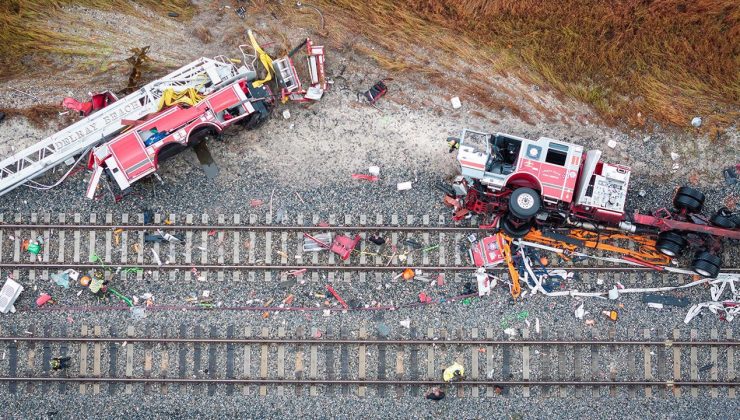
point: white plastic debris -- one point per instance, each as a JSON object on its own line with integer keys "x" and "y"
{"x": 403, "y": 186}
{"x": 73, "y": 274}
{"x": 286, "y": 114}
{"x": 675, "y": 156}
{"x": 537, "y": 325}
{"x": 456, "y": 103}
{"x": 696, "y": 122}
{"x": 614, "y": 293}
{"x": 406, "y": 323}
{"x": 374, "y": 170}
{"x": 580, "y": 312}
{"x": 655, "y": 305}
{"x": 484, "y": 283}
{"x": 206, "y": 293}
{"x": 327, "y": 312}
{"x": 612, "y": 144}
{"x": 511, "y": 332}
{"x": 156, "y": 257}
{"x": 599, "y": 281}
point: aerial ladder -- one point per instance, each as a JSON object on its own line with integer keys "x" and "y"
{"x": 204, "y": 75}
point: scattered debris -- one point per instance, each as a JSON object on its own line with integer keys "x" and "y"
{"x": 371, "y": 178}
{"x": 424, "y": 298}
{"x": 8, "y": 295}
{"x": 613, "y": 315}
{"x": 406, "y": 323}
{"x": 456, "y": 104}
{"x": 343, "y": 245}
{"x": 318, "y": 242}
{"x": 336, "y": 296}
{"x": 612, "y": 144}
{"x": 511, "y": 332}
{"x": 374, "y": 170}
{"x": 286, "y": 114}
{"x": 580, "y": 312}
{"x": 376, "y": 92}
{"x": 675, "y": 156}
{"x": 404, "y": 186}
{"x": 43, "y": 299}
{"x": 696, "y": 122}
{"x": 408, "y": 274}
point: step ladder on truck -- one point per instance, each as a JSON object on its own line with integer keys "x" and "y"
{"x": 204, "y": 75}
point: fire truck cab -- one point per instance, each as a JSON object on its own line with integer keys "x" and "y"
{"x": 524, "y": 179}
{"x": 138, "y": 151}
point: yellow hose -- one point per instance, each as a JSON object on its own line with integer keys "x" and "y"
{"x": 170, "y": 97}
{"x": 264, "y": 59}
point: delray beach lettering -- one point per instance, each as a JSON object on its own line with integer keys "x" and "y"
{"x": 91, "y": 128}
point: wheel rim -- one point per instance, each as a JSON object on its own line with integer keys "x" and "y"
{"x": 668, "y": 252}
{"x": 525, "y": 201}
{"x": 703, "y": 272}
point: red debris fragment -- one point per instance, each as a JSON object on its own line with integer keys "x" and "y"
{"x": 255, "y": 202}
{"x": 424, "y": 298}
{"x": 336, "y": 295}
{"x": 441, "y": 279}
{"x": 344, "y": 245}
{"x": 43, "y": 299}
{"x": 371, "y": 178}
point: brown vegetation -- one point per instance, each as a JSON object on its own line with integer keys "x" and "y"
{"x": 23, "y": 31}
{"x": 668, "y": 59}
{"x": 38, "y": 115}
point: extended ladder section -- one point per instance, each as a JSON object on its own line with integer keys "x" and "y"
{"x": 205, "y": 75}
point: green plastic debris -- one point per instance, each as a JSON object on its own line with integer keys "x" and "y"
{"x": 34, "y": 248}
{"x": 122, "y": 297}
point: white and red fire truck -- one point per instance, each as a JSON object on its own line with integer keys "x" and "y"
{"x": 137, "y": 152}
{"x": 523, "y": 184}
{"x": 128, "y": 137}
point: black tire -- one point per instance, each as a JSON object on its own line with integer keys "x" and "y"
{"x": 524, "y": 203}
{"x": 515, "y": 232}
{"x": 706, "y": 264}
{"x": 201, "y": 134}
{"x": 670, "y": 243}
{"x": 688, "y": 199}
{"x": 169, "y": 151}
{"x": 723, "y": 221}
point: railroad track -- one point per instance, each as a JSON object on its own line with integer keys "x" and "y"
{"x": 250, "y": 361}
{"x": 230, "y": 250}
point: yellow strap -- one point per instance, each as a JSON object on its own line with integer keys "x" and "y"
{"x": 264, "y": 59}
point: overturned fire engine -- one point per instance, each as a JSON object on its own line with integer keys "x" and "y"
{"x": 534, "y": 189}
{"x": 127, "y": 138}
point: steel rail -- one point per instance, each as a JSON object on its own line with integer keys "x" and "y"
{"x": 241, "y": 227}
{"x": 108, "y": 266}
{"x": 312, "y": 341}
{"x": 668, "y": 383}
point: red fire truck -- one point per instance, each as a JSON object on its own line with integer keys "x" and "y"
{"x": 523, "y": 184}
{"x": 138, "y": 152}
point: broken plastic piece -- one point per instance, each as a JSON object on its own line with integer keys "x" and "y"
{"x": 404, "y": 186}
{"x": 336, "y": 295}
{"x": 8, "y": 295}
{"x": 408, "y": 274}
{"x": 344, "y": 245}
{"x": 43, "y": 299}
{"x": 371, "y": 178}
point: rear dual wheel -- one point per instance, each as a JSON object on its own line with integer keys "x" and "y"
{"x": 688, "y": 199}
{"x": 670, "y": 243}
{"x": 706, "y": 264}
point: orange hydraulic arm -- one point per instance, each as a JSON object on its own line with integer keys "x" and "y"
{"x": 516, "y": 289}
{"x": 645, "y": 251}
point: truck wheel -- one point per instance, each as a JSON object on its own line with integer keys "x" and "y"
{"x": 688, "y": 199}
{"x": 524, "y": 203}
{"x": 515, "y": 232}
{"x": 706, "y": 264}
{"x": 723, "y": 218}
{"x": 670, "y": 243}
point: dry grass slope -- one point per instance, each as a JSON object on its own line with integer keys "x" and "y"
{"x": 629, "y": 59}
{"x": 23, "y": 31}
